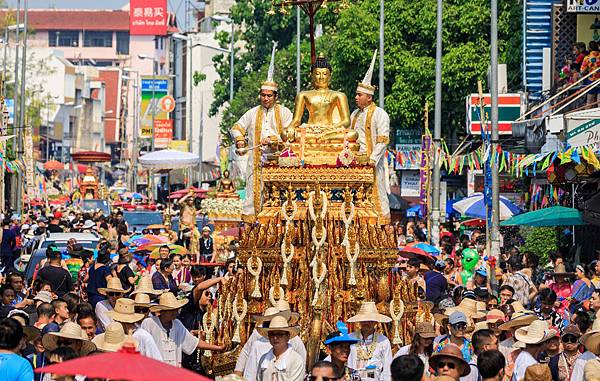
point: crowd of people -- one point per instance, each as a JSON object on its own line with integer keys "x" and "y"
{"x": 510, "y": 319}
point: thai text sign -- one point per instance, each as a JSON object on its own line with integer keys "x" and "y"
{"x": 582, "y": 134}
{"x": 148, "y": 17}
{"x": 163, "y": 133}
{"x": 153, "y": 90}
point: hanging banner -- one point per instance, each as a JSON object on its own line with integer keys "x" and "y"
{"x": 424, "y": 173}
{"x": 29, "y": 164}
{"x": 155, "y": 94}
{"x": 410, "y": 184}
{"x": 148, "y": 17}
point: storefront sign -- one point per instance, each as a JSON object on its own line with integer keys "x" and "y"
{"x": 148, "y": 17}
{"x": 410, "y": 184}
{"x": 153, "y": 91}
{"x": 582, "y": 134}
{"x": 583, "y": 6}
{"x": 163, "y": 133}
{"x": 510, "y": 107}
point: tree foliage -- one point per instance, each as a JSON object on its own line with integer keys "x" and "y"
{"x": 349, "y": 40}
{"x": 540, "y": 241}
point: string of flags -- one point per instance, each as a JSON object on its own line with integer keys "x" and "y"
{"x": 517, "y": 165}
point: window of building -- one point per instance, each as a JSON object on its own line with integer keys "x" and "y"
{"x": 63, "y": 38}
{"x": 97, "y": 39}
{"x": 122, "y": 43}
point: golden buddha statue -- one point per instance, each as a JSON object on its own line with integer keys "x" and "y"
{"x": 226, "y": 187}
{"x": 323, "y": 136}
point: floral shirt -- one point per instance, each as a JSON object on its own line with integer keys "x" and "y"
{"x": 590, "y": 63}
{"x": 522, "y": 285}
{"x": 553, "y": 318}
{"x": 467, "y": 347}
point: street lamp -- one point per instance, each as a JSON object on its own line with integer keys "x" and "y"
{"x": 154, "y": 69}
{"x": 231, "y": 52}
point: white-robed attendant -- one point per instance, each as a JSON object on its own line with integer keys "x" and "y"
{"x": 371, "y": 356}
{"x": 282, "y": 362}
{"x": 256, "y": 346}
{"x": 373, "y": 126}
{"x": 261, "y": 125}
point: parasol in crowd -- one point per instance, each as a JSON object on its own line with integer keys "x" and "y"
{"x": 474, "y": 206}
{"x": 173, "y": 249}
{"x": 553, "y": 216}
{"x": 414, "y": 252}
{"x": 168, "y": 159}
{"x": 147, "y": 239}
{"x": 53, "y": 165}
{"x": 125, "y": 364}
{"x": 429, "y": 249}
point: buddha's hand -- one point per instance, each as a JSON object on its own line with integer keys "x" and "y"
{"x": 240, "y": 144}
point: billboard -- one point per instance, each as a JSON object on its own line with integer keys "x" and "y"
{"x": 148, "y": 17}
{"x": 154, "y": 91}
{"x": 510, "y": 108}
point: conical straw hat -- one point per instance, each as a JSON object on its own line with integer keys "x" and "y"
{"x": 112, "y": 340}
{"x": 368, "y": 312}
{"x": 124, "y": 311}
{"x": 112, "y": 285}
{"x": 145, "y": 286}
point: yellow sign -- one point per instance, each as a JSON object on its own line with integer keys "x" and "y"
{"x": 146, "y": 132}
{"x": 179, "y": 145}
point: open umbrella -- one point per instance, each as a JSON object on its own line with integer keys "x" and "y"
{"x": 168, "y": 159}
{"x": 553, "y": 216}
{"x": 173, "y": 249}
{"x": 53, "y": 165}
{"x": 429, "y": 249}
{"x": 474, "y": 206}
{"x": 125, "y": 364}
{"x": 414, "y": 252}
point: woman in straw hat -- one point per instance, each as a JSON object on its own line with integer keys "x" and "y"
{"x": 170, "y": 335}
{"x": 449, "y": 362}
{"x": 70, "y": 335}
{"x": 421, "y": 345}
{"x": 591, "y": 342}
{"x": 534, "y": 337}
{"x": 281, "y": 362}
{"x": 113, "y": 339}
{"x": 113, "y": 291}
{"x": 256, "y": 346}
{"x": 124, "y": 313}
{"x": 372, "y": 349}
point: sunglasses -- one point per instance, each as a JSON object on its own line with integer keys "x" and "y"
{"x": 443, "y": 364}
{"x": 569, "y": 339}
{"x": 114, "y": 293}
{"x": 459, "y": 326}
{"x": 277, "y": 334}
{"x": 63, "y": 342}
{"x": 141, "y": 310}
{"x": 319, "y": 378}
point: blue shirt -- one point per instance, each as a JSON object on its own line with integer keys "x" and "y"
{"x": 14, "y": 368}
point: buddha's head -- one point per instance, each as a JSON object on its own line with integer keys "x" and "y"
{"x": 226, "y": 174}
{"x": 320, "y": 73}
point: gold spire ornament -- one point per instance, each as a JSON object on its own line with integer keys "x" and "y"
{"x": 255, "y": 272}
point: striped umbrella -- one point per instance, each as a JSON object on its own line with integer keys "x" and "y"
{"x": 474, "y": 206}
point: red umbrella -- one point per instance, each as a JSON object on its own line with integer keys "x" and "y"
{"x": 414, "y": 252}
{"x": 53, "y": 165}
{"x": 126, "y": 364}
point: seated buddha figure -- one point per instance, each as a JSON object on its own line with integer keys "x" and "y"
{"x": 326, "y": 131}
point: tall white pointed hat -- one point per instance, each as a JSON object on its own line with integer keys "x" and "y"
{"x": 270, "y": 84}
{"x": 365, "y": 86}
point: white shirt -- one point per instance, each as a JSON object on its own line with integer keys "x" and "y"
{"x": 259, "y": 347}
{"x": 474, "y": 373}
{"x": 171, "y": 344}
{"x": 288, "y": 367}
{"x": 102, "y": 307}
{"x": 506, "y": 347}
{"x": 577, "y": 372}
{"x": 524, "y": 360}
{"x": 381, "y": 358}
{"x": 147, "y": 346}
{"x": 404, "y": 351}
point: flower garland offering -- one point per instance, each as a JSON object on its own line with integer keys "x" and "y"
{"x": 281, "y": 293}
{"x": 239, "y": 317}
{"x": 287, "y": 251}
{"x": 255, "y": 272}
{"x": 347, "y": 220}
{"x": 209, "y": 322}
{"x": 352, "y": 258}
{"x": 396, "y": 305}
{"x": 318, "y": 279}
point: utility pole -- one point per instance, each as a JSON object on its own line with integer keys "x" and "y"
{"x": 21, "y": 123}
{"x": 381, "y": 47}
{"x": 298, "y": 83}
{"x": 437, "y": 132}
{"x": 495, "y": 229}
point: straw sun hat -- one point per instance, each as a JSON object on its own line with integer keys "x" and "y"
{"x": 519, "y": 319}
{"x": 145, "y": 287}
{"x": 537, "y": 332}
{"x": 112, "y": 340}
{"x": 168, "y": 301}
{"x": 470, "y": 308}
{"x": 142, "y": 300}
{"x": 368, "y": 312}
{"x": 113, "y": 285}
{"x": 279, "y": 323}
{"x": 124, "y": 311}
{"x": 71, "y": 331}
{"x": 591, "y": 339}
{"x": 281, "y": 308}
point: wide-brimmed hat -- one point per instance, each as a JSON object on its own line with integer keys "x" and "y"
{"x": 518, "y": 306}
{"x": 145, "y": 287}
{"x": 340, "y": 336}
{"x": 425, "y": 330}
{"x": 281, "y": 308}
{"x": 88, "y": 224}
{"x": 519, "y": 319}
{"x": 591, "y": 339}
{"x": 113, "y": 285}
{"x": 368, "y": 312}
{"x": 71, "y": 331}
{"x": 168, "y": 301}
{"x": 124, "y": 311}
{"x": 469, "y": 307}
{"x": 538, "y": 372}
{"x": 560, "y": 269}
{"x": 112, "y": 340}
{"x": 494, "y": 316}
{"x": 142, "y": 300}
{"x": 43, "y": 296}
{"x": 450, "y": 351}
{"x": 278, "y": 323}
{"x": 537, "y": 332}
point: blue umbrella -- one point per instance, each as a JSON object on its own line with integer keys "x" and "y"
{"x": 430, "y": 249}
{"x": 414, "y": 211}
{"x": 474, "y": 206}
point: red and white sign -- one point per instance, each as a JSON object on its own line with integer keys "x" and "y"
{"x": 148, "y": 17}
{"x": 167, "y": 103}
{"x": 163, "y": 132}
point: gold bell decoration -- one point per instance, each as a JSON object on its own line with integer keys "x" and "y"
{"x": 239, "y": 317}
{"x": 255, "y": 272}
